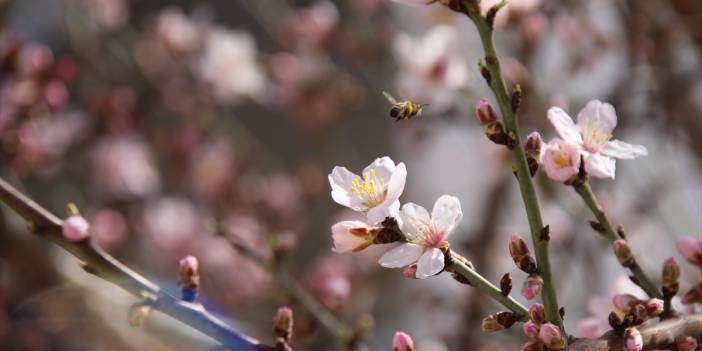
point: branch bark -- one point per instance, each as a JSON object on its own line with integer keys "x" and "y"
{"x": 660, "y": 336}
{"x": 96, "y": 261}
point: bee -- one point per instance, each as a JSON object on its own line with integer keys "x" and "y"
{"x": 403, "y": 109}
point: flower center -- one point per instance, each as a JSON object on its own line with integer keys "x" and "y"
{"x": 561, "y": 157}
{"x": 372, "y": 189}
{"x": 594, "y": 138}
{"x": 428, "y": 236}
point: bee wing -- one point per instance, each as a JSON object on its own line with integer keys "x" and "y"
{"x": 389, "y": 97}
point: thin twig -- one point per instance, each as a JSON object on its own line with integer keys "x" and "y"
{"x": 99, "y": 263}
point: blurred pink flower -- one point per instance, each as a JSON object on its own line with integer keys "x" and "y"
{"x": 230, "y": 65}
{"x": 34, "y": 59}
{"x": 313, "y": 25}
{"x": 171, "y": 222}
{"x": 513, "y": 8}
{"x": 329, "y": 278}
{"x": 592, "y": 135}
{"x": 109, "y": 228}
{"x": 108, "y": 14}
{"x": 124, "y": 167}
{"x": 691, "y": 249}
{"x": 178, "y": 31}
{"x": 601, "y": 306}
{"x": 211, "y": 168}
{"x": 561, "y": 160}
{"x": 433, "y": 69}
{"x": 282, "y": 195}
{"x": 426, "y": 236}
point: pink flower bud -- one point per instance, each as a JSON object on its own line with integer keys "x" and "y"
{"x": 633, "y": 339}
{"x": 551, "y": 335}
{"x": 537, "y": 313}
{"x": 530, "y": 329}
{"x": 693, "y": 295}
{"x": 686, "y": 343}
{"x": 671, "y": 277}
{"x": 561, "y": 160}
{"x": 189, "y": 278}
{"x": 75, "y": 228}
{"x": 532, "y": 149}
{"x": 283, "y": 323}
{"x": 410, "y": 271}
{"x": 654, "y": 307}
{"x": 402, "y": 342}
{"x": 519, "y": 251}
{"x": 623, "y": 302}
{"x": 623, "y": 252}
{"x": 484, "y": 112}
{"x": 691, "y": 249}
{"x": 487, "y": 117}
{"x": 532, "y": 286}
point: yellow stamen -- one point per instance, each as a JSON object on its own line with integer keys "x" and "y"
{"x": 371, "y": 188}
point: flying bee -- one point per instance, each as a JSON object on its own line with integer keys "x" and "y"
{"x": 403, "y": 109}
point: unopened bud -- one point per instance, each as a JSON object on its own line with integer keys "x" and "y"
{"x": 686, "y": 343}
{"x": 551, "y": 335}
{"x": 75, "y": 228}
{"x": 671, "y": 277}
{"x": 530, "y": 329}
{"x": 506, "y": 284}
{"x": 189, "y": 278}
{"x": 633, "y": 339}
{"x": 693, "y": 295}
{"x": 283, "y": 324}
{"x": 402, "y": 342}
{"x": 624, "y": 302}
{"x": 537, "y": 313}
{"x": 654, "y": 307}
{"x": 489, "y": 121}
{"x": 532, "y": 286}
{"x": 532, "y": 150}
{"x": 614, "y": 321}
{"x": 519, "y": 251}
{"x": 499, "y": 321}
{"x": 623, "y": 253}
{"x": 410, "y": 271}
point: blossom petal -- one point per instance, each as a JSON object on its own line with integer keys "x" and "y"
{"x": 564, "y": 125}
{"x": 340, "y": 180}
{"x": 396, "y": 183}
{"x": 378, "y": 213}
{"x": 401, "y": 256}
{"x": 384, "y": 168}
{"x": 344, "y": 240}
{"x": 597, "y": 115}
{"x": 446, "y": 214}
{"x": 620, "y": 149}
{"x": 600, "y": 166}
{"x": 431, "y": 263}
{"x": 415, "y": 218}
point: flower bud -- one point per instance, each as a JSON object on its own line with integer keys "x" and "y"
{"x": 624, "y": 302}
{"x": 633, "y": 340}
{"x": 614, "y": 320}
{"x": 530, "y": 329}
{"x": 499, "y": 321}
{"x": 686, "y": 343}
{"x": 75, "y": 228}
{"x": 551, "y": 335}
{"x": 537, "y": 313}
{"x": 691, "y": 249}
{"x": 506, "y": 284}
{"x": 532, "y": 286}
{"x": 532, "y": 150}
{"x": 410, "y": 271}
{"x": 487, "y": 117}
{"x": 519, "y": 251}
{"x": 671, "y": 277}
{"x": 693, "y": 295}
{"x": 283, "y": 324}
{"x": 654, "y": 307}
{"x": 189, "y": 278}
{"x": 623, "y": 253}
{"x": 402, "y": 342}
{"x": 484, "y": 112}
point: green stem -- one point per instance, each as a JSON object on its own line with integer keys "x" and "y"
{"x": 479, "y": 282}
{"x": 526, "y": 186}
{"x": 585, "y": 191}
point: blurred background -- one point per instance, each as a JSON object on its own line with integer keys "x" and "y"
{"x": 177, "y": 126}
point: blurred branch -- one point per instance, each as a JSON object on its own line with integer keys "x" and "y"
{"x": 521, "y": 168}
{"x": 99, "y": 263}
{"x": 659, "y": 336}
{"x": 582, "y": 187}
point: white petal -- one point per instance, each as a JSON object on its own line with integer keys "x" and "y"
{"x": 340, "y": 180}
{"x": 431, "y": 263}
{"x": 598, "y": 115}
{"x": 401, "y": 256}
{"x": 344, "y": 240}
{"x": 446, "y": 214}
{"x": 378, "y": 213}
{"x": 415, "y": 219}
{"x": 564, "y": 125}
{"x": 600, "y": 166}
{"x": 384, "y": 168}
{"x": 396, "y": 184}
{"x": 620, "y": 149}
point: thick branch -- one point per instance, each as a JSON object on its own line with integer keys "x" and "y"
{"x": 660, "y": 336}
{"x": 99, "y": 263}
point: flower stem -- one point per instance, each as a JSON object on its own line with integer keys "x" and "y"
{"x": 521, "y": 168}
{"x": 582, "y": 187}
{"x": 479, "y": 282}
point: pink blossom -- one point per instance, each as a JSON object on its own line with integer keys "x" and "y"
{"x": 561, "y": 160}
{"x": 633, "y": 339}
{"x": 313, "y": 25}
{"x": 75, "y": 228}
{"x": 108, "y": 228}
{"x": 551, "y": 335}
{"x": 530, "y": 329}
{"x": 601, "y": 306}
{"x": 402, "y": 342}
{"x": 590, "y": 327}
{"x": 124, "y": 167}
{"x": 592, "y": 137}
{"x": 691, "y": 249}
{"x": 623, "y": 302}
{"x": 178, "y": 31}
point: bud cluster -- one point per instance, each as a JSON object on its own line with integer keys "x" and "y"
{"x": 490, "y": 122}
{"x": 545, "y": 336}
{"x": 635, "y": 311}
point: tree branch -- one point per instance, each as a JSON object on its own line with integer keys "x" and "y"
{"x": 660, "y": 336}
{"x": 99, "y": 263}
